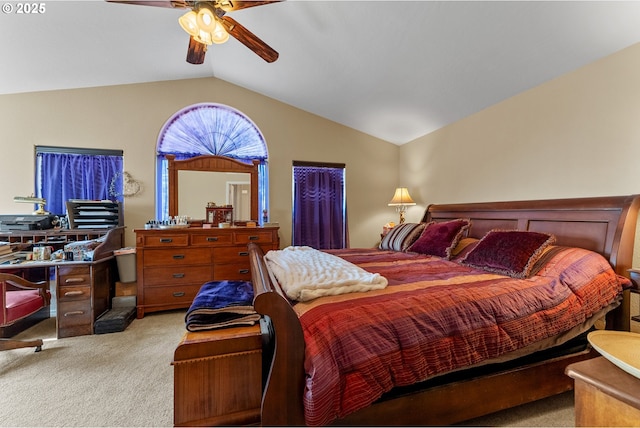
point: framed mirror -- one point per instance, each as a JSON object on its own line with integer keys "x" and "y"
{"x": 195, "y": 182}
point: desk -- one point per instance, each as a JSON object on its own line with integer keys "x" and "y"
{"x": 82, "y": 289}
{"x": 605, "y": 395}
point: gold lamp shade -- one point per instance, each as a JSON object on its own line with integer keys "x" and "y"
{"x": 401, "y": 200}
{"x": 401, "y": 197}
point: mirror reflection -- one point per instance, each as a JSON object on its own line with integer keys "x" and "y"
{"x": 196, "y": 183}
{"x": 196, "y": 189}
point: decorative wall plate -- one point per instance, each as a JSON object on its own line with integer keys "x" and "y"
{"x": 130, "y": 186}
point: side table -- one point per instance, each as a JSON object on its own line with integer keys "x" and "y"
{"x": 605, "y": 395}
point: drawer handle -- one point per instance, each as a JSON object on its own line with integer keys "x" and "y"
{"x": 73, "y": 280}
{"x": 243, "y": 271}
{"x": 212, "y": 238}
{"x": 178, "y": 256}
{"x": 166, "y": 240}
{"x": 178, "y": 294}
{"x": 243, "y": 253}
{"x": 178, "y": 275}
{"x": 73, "y": 293}
{"x": 73, "y": 313}
{"x": 254, "y": 238}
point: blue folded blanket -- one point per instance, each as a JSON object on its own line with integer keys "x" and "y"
{"x": 222, "y": 304}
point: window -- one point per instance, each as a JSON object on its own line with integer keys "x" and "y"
{"x": 319, "y": 205}
{"x": 210, "y": 129}
{"x": 64, "y": 173}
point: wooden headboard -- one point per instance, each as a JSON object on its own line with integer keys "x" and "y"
{"x": 606, "y": 225}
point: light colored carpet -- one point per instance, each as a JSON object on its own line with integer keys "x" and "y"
{"x": 114, "y": 379}
{"x": 125, "y": 379}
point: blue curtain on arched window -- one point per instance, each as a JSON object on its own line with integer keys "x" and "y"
{"x": 210, "y": 129}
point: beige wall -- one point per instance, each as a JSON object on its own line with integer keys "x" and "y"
{"x": 130, "y": 117}
{"x": 575, "y": 136}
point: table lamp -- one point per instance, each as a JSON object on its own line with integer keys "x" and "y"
{"x": 401, "y": 200}
{"x": 33, "y": 200}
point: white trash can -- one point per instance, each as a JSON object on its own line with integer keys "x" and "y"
{"x": 126, "y": 259}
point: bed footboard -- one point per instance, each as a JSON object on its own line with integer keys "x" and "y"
{"x": 282, "y": 395}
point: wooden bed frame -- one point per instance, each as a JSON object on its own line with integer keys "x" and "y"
{"x": 606, "y": 225}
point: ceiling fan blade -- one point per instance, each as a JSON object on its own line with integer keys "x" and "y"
{"x": 177, "y": 4}
{"x": 249, "y": 39}
{"x": 196, "y": 51}
{"x": 231, "y": 5}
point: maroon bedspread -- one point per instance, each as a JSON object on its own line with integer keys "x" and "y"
{"x": 434, "y": 317}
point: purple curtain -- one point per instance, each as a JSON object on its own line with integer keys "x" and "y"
{"x": 64, "y": 176}
{"x": 319, "y": 211}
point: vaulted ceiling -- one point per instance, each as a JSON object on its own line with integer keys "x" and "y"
{"x": 396, "y": 70}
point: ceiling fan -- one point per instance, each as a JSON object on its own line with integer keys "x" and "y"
{"x": 207, "y": 23}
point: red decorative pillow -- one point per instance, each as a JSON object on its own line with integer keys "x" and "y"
{"x": 508, "y": 252}
{"x": 439, "y": 239}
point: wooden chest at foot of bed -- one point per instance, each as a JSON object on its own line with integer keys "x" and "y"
{"x": 218, "y": 377}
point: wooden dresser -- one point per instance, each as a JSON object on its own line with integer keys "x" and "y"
{"x": 172, "y": 264}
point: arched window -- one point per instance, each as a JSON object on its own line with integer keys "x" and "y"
{"x": 210, "y": 129}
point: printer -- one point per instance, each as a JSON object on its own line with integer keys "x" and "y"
{"x": 26, "y": 222}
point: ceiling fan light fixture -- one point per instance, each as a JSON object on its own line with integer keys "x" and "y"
{"x": 204, "y": 37}
{"x": 219, "y": 35}
{"x": 206, "y": 19}
{"x": 189, "y": 24}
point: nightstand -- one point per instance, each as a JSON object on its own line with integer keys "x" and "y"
{"x": 218, "y": 377}
{"x": 605, "y": 395}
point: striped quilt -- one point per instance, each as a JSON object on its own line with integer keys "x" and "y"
{"x": 436, "y": 316}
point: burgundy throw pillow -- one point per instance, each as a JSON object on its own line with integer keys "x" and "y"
{"x": 439, "y": 239}
{"x": 508, "y": 252}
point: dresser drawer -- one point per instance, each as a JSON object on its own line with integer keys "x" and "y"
{"x": 232, "y": 271}
{"x": 212, "y": 240}
{"x": 177, "y": 257}
{"x": 74, "y": 275}
{"x": 239, "y": 254}
{"x": 258, "y": 236}
{"x": 70, "y": 294}
{"x": 74, "y": 313}
{"x": 173, "y": 295}
{"x": 176, "y": 275}
{"x": 166, "y": 240}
